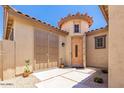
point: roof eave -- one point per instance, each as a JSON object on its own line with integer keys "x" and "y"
{"x": 54, "y": 29}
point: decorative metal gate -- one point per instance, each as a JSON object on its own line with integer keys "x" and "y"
{"x": 46, "y": 49}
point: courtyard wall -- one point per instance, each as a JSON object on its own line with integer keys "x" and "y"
{"x": 62, "y": 49}
{"x": 24, "y": 38}
{"x": 116, "y": 46}
{"x": 96, "y": 57}
{"x": 7, "y": 59}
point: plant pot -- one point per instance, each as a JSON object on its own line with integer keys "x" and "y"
{"x": 98, "y": 80}
{"x": 61, "y": 66}
{"x": 26, "y": 74}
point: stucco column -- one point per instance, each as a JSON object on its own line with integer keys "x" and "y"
{"x": 84, "y": 50}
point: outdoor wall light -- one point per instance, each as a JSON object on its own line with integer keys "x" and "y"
{"x": 63, "y": 44}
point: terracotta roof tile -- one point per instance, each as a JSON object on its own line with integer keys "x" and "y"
{"x": 76, "y": 16}
{"x": 39, "y": 20}
{"x": 19, "y": 12}
{"x": 35, "y": 19}
{"x": 27, "y": 15}
{"x": 97, "y": 30}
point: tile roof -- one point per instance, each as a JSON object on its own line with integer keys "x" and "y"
{"x": 95, "y": 31}
{"x": 37, "y": 20}
{"x": 76, "y": 16}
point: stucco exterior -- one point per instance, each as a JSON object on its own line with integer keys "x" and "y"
{"x": 24, "y": 30}
{"x": 62, "y": 50}
{"x": 7, "y": 59}
{"x": 13, "y": 53}
{"x": 25, "y": 45}
{"x": 42, "y": 43}
{"x": 96, "y": 57}
{"x": 69, "y": 27}
{"x": 116, "y": 46}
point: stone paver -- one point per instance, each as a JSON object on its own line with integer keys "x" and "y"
{"x": 87, "y": 70}
{"x": 76, "y": 76}
{"x": 51, "y": 73}
{"x": 56, "y": 82}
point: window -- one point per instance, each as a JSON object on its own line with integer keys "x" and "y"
{"x": 76, "y": 28}
{"x": 100, "y": 42}
{"x": 76, "y": 50}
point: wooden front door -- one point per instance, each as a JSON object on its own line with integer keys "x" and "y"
{"x": 77, "y": 52}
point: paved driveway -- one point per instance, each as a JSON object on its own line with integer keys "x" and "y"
{"x": 70, "y": 78}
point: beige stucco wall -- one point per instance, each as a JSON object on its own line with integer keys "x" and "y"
{"x": 96, "y": 57}
{"x": 24, "y": 38}
{"x": 62, "y": 49}
{"x": 68, "y": 51}
{"x": 116, "y": 46}
{"x": 69, "y": 27}
{"x": 7, "y": 59}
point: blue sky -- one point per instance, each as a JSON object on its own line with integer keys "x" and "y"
{"x": 53, "y": 13}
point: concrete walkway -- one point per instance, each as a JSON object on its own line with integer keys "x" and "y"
{"x": 70, "y": 78}
{"x": 58, "y": 78}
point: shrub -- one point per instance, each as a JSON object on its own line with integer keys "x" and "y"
{"x": 98, "y": 80}
{"x": 26, "y": 68}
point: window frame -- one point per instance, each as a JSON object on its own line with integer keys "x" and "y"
{"x": 103, "y": 43}
{"x": 76, "y": 28}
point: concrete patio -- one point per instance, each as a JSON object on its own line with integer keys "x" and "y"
{"x": 60, "y": 78}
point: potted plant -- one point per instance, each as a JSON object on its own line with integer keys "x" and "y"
{"x": 26, "y": 68}
{"x": 98, "y": 80}
{"x": 62, "y": 65}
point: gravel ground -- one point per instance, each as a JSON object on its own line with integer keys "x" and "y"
{"x": 89, "y": 82}
{"x": 29, "y": 82}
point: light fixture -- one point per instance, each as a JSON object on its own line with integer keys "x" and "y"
{"x": 63, "y": 44}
